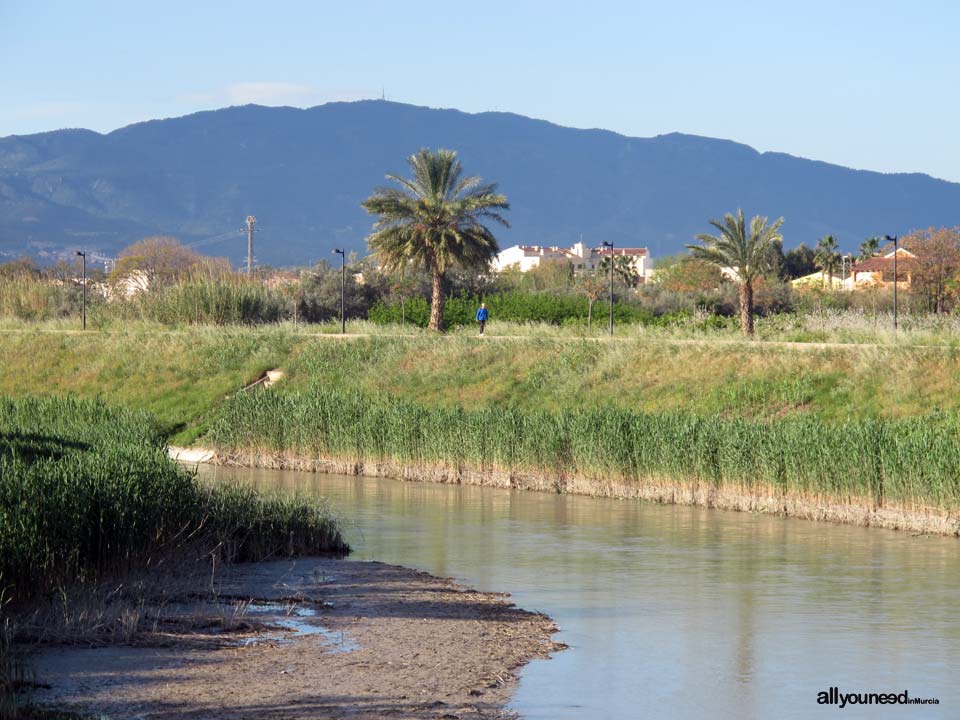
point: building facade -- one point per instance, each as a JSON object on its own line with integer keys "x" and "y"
{"x": 583, "y": 258}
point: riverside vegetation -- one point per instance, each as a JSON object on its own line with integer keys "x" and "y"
{"x": 866, "y": 464}
{"x": 88, "y": 494}
{"x": 834, "y": 423}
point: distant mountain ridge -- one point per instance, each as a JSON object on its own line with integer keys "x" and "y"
{"x": 303, "y": 173}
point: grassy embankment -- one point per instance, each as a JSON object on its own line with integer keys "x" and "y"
{"x": 88, "y": 494}
{"x": 863, "y": 427}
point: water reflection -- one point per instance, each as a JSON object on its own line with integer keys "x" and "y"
{"x": 678, "y": 612}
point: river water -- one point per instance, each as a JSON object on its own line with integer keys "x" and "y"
{"x": 677, "y": 612}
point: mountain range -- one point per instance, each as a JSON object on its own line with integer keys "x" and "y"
{"x": 304, "y": 172}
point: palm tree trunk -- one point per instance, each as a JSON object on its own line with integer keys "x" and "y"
{"x": 746, "y": 308}
{"x": 436, "y": 306}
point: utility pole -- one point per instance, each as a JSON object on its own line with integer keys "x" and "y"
{"x": 83, "y": 285}
{"x": 895, "y": 283}
{"x": 610, "y": 245}
{"x": 251, "y": 223}
{"x": 343, "y": 279}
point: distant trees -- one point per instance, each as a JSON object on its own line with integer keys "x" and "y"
{"x": 745, "y": 250}
{"x": 869, "y": 248}
{"x": 827, "y": 257}
{"x": 936, "y": 268}
{"x": 435, "y": 221}
{"x": 160, "y": 260}
{"x": 624, "y": 269}
{"x": 799, "y": 262}
{"x": 688, "y": 274}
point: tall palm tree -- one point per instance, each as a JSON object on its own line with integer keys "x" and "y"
{"x": 747, "y": 251}
{"x": 827, "y": 257}
{"x": 435, "y": 221}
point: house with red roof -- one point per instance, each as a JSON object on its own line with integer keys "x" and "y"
{"x": 583, "y": 258}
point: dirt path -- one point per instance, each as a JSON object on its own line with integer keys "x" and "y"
{"x": 758, "y": 344}
{"x": 374, "y": 641}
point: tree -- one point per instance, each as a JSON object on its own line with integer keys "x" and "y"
{"x": 435, "y": 221}
{"x": 688, "y": 275}
{"x": 624, "y": 269}
{"x": 869, "y": 248}
{"x": 937, "y": 263}
{"x": 827, "y": 257}
{"x": 592, "y": 287}
{"x": 161, "y": 260}
{"x": 744, "y": 250}
{"x": 798, "y": 262}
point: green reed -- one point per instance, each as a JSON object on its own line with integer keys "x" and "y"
{"x": 910, "y": 461}
{"x": 87, "y": 491}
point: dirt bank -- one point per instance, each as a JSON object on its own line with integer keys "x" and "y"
{"x": 848, "y": 510}
{"x": 312, "y": 638}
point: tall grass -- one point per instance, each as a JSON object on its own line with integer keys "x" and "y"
{"x": 87, "y": 491}
{"x": 204, "y": 299}
{"x": 913, "y": 462}
{"x": 29, "y": 298}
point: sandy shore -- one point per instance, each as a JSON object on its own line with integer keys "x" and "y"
{"x": 322, "y": 638}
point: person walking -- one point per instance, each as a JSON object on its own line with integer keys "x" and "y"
{"x": 482, "y": 315}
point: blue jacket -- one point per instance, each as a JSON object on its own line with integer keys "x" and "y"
{"x": 482, "y": 315}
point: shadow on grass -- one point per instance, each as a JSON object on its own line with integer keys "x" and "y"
{"x": 29, "y": 447}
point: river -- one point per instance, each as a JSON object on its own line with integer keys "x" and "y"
{"x": 677, "y": 612}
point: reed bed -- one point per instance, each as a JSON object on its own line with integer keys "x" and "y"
{"x": 27, "y": 298}
{"x": 87, "y": 491}
{"x": 912, "y": 462}
{"x": 199, "y": 299}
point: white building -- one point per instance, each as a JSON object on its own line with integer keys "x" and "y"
{"x": 583, "y": 258}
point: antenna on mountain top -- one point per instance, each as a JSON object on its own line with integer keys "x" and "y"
{"x": 251, "y": 223}
{"x": 383, "y": 93}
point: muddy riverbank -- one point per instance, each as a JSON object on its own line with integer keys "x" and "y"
{"x": 310, "y": 638}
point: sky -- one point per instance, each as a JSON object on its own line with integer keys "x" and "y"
{"x": 870, "y": 85}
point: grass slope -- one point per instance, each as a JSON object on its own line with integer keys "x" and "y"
{"x": 182, "y": 377}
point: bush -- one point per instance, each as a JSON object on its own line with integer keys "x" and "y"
{"x": 515, "y": 306}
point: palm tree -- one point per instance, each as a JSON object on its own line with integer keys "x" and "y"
{"x": 869, "y": 248}
{"x": 746, "y": 251}
{"x": 623, "y": 269}
{"x": 827, "y": 257}
{"x": 434, "y": 221}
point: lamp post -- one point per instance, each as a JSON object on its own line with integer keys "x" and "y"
{"x": 610, "y": 245}
{"x": 343, "y": 279}
{"x": 845, "y": 260}
{"x": 83, "y": 287}
{"x": 895, "y": 283}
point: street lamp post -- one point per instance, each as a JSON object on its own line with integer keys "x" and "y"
{"x": 895, "y": 283}
{"x": 83, "y": 287}
{"x": 343, "y": 279}
{"x": 845, "y": 261}
{"x": 610, "y": 245}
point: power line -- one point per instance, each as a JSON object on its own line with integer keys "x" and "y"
{"x": 215, "y": 239}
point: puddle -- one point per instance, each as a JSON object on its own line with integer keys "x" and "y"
{"x": 289, "y": 618}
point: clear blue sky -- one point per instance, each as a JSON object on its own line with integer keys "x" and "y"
{"x": 866, "y": 84}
